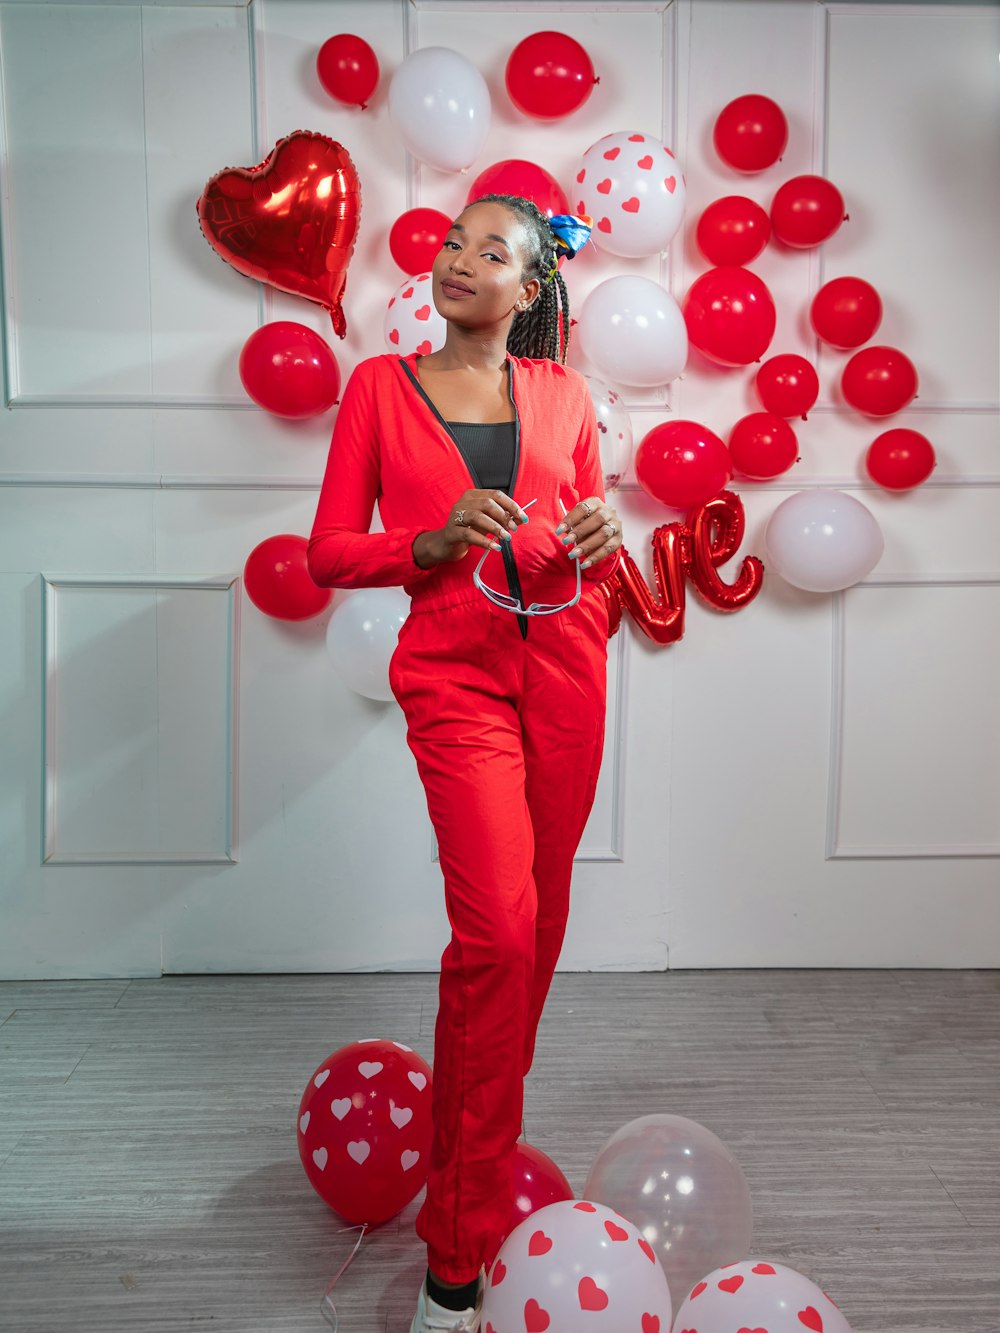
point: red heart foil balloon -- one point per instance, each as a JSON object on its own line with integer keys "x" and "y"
{"x": 291, "y": 221}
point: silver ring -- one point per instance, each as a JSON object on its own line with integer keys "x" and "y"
{"x": 460, "y": 518}
{"x": 610, "y": 529}
{"x": 587, "y": 507}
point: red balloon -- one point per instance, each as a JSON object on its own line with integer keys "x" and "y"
{"x": 787, "y": 385}
{"x": 762, "y": 446}
{"x": 900, "y": 459}
{"x": 364, "y": 1129}
{"x": 846, "y": 312}
{"x": 348, "y": 69}
{"x": 289, "y": 370}
{"x": 750, "y": 133}
{"x": 733, "y": 230}
{"x": 879, "y": 381}
{"x": 682, "y": 463}
{"x": 806, "y": 211}
{"x": 549, "y": 75}
{"x": 416, "y": 237}
{"x": 537, "y": 1182}
{"x": 730, "y": 315}
{"x": 291, "y": 221}
{"x": 276, "y": 577}
{"x": 515, "y": 176}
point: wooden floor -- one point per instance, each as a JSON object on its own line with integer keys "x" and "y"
{"x": 149, "y": 1177}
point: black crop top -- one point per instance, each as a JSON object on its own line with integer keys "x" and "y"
{"x": 488, "y": 449}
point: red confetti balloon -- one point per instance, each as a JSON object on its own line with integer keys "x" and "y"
{"x": 846, "y": 312}
{"x": 787, "y": 385}
{"x": 515, "y": 176}
{"x": 348, "y": 69}
{"x": 750, "y": 133}
{"x": 364, "y": 1129}
{"x": 682, "y": 464}
{"x": 730, "y": 316}
{"x": 549, "y": 75}
{"x": 416, "y": 237}
{"x": 879, "y": 381}
{"x": 762, "y": 446}
{"x": 733, "y": 230}
{"x": 289, "y": 370}
{"x": 900, "y": 459}
{"x": 806, "y": 211}
{"x": 276, "y": 577}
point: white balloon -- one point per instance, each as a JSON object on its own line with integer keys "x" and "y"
{"x": 614, "y": 431}
{"x": 759, "y": 1294}
{"x": 633, "y": 187}
{"x": 633, "y": 332}
{"x": 440, "y": 105}
{"x": 822, "y": 541}
{"x": 412, "y": 323}
{"x": 361, "y": 638}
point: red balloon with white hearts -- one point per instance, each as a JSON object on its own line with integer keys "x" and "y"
{"x": 633, "y": 187}
{"x": 364, "y": 1129}
{"x": 760, "y": 1295}
{"x": 412, "y": 323}
{"x": 576, "y": 1267}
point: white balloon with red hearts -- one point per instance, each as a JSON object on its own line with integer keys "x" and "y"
{"x": 576, "y": 1267}
{"x": 632, "y": 186}
{"x": 412, "y": 324}
{"x": 614, "y": 431}
{"x": 761, "y": 1295}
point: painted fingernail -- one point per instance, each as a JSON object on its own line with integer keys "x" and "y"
{"x": 561, "y": 528}
{"x": 523, "y": 516}
{"x": 568, "y": 540}
{"x": 575, "y": 553}
{"x": 505, "y": 535}
{"x": 586, "y": 564}
{"x": 494, "y": 546}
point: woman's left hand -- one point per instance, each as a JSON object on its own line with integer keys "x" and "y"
{"x": 591, "y": 531}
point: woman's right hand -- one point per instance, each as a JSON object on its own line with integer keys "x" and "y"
{"x": 478, "y": 518}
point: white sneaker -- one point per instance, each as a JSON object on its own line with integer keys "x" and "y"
{"x": 434, "y": 1318}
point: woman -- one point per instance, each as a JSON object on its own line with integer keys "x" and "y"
{"x": 500, "y": 671}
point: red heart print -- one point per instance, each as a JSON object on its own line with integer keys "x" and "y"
{"x": 423, "y": 313}
{"x": 811, "y": 1317}
{"x": 499, "y": 1273}
{"x": 612, "y": 153}
{"x": 408, "y": 293}
{"x": 615, "y": 1231}
{"x": 731, "y": 1284}
{"x": 423, "y": 277}
{"x": 604, "y": 225}
{"x": 604, "y": 187}
{"x": 580, "y": 175}
{"x": 539, "y": 1244}
{"x": 765, "y": 1270}
{"x": 424, "y": 349}
{"x": 697, "y": 1290}
{"x": 751, "y": 1330}
{"x": 671, "y": 183}
{"x": 668, "y": 152}
{"x": 591, "y": 1296}
{"x": 650, "y": 1323}
{"x": 645, "y": 163}
{"x": 637, "y": 138}
{"x": 394, "y": 335}
{"x": 585, "y": 1208}
{"x": 631, "y": 205}
{"x": 580, "y": 208}
{"x": 392, "y": 302}
{"x": 536, "y": 1320}
{"x": 644, "y": 1245}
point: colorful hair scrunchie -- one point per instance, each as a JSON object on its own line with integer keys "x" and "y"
{"x": 571, "y": 234}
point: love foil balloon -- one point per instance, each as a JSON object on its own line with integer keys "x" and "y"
{"x": 291, "y": 221}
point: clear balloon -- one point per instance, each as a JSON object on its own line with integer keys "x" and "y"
{"x": 682, "y": 1188}
{"x": 440, "y": 106}
{"x": 755, "y": 1295}
{"x": 632, "y": 186}
{"x": 412, "y": 323}
{"x": 822, "y": 540}
{"x": 576, "y": 1268}
{"x": 289, "y": 370}
{"x": 632, "y": 330}
{"x": 750, "y": 133}
{"x": 362, "y": 635}
{"x": 614, "y": 430}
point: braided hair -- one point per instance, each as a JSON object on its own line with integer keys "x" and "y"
{"x": 541, "y": 331}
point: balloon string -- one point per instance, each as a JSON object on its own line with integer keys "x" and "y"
{"x": 327, "y": 1307}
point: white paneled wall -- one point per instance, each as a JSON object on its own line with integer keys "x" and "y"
{"x": 812, "y": 781}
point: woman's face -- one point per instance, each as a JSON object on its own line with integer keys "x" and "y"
{"x": 478, "y": 272}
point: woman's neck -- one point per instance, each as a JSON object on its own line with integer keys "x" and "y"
{"x": 468, "y": 350}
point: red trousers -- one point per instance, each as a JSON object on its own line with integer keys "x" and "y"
{"x": 507, "y": 734}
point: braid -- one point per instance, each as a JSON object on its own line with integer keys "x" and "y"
{"x": 541, "y": 331}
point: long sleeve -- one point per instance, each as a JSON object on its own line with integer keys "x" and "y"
{"x": 342, "y": 551}
{"x": 590, "y": 479}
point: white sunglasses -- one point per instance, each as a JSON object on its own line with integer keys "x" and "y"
{"x": 508, "y": 603}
